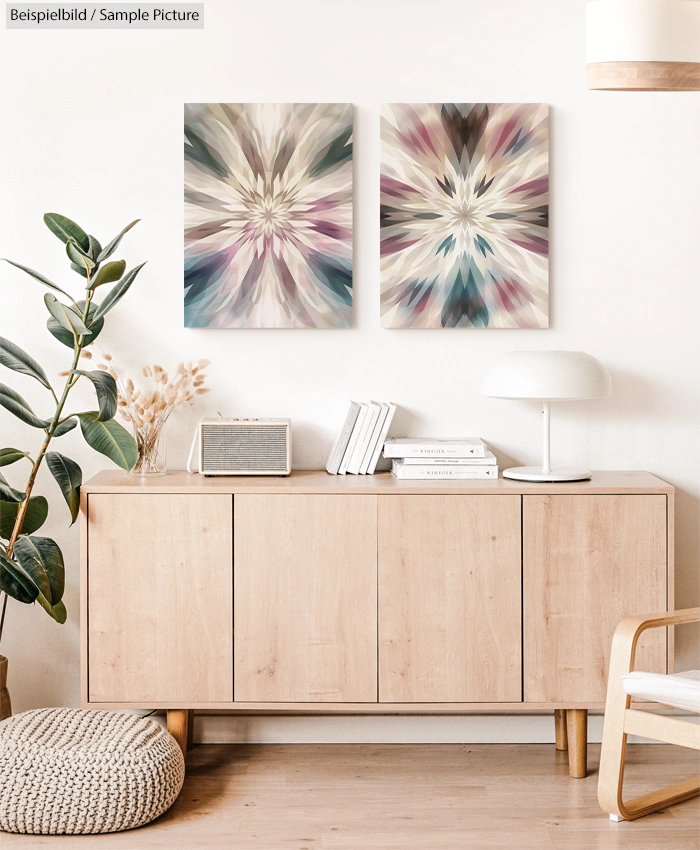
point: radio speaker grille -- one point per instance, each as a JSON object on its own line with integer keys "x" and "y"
{"x": 245, "y": 449}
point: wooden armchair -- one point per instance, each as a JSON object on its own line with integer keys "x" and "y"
{"x": 678, "y": 691}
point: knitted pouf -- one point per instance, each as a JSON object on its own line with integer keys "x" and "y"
{"x": 65, "y": 770}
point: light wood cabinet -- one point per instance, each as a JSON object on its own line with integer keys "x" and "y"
{"x": 159, "y": 599}
{"x": 364, "y": 594}
{"x": 449, "y": 599}
{"x": 589, "y": 561}
{"x": 305, "y": 590}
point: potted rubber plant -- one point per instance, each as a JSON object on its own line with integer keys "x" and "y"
{"x": 31, "y": 566}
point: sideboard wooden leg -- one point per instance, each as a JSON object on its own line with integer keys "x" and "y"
{"x": 577, "y": 733}
{"x": 177, "y": 726}
{"x": 190, "y": 728}
{"x": 560, "y": 737}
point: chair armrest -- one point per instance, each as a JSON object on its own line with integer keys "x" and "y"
{"x": 655, "y": 621}
{"x": 624, "y": 643}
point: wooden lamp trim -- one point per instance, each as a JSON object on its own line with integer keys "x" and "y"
{"x": 643, "y": 76}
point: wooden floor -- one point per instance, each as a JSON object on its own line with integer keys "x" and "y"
{"x": 402, "y": 797}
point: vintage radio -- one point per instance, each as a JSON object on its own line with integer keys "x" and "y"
{"x": 245, "y": 446}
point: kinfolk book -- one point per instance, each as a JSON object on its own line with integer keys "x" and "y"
{"x": 488, "y": 460}
{"x": 426, "y": 471}
{"x": 431, "y": 447}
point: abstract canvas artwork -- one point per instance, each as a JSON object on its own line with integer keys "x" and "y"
{"x": 268, "y": 215}
{"x": 464, "y": 215}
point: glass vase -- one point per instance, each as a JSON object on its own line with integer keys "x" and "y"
{"x": 151, "y": 445}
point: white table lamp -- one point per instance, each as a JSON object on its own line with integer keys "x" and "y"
{"x": 547, "y": 376}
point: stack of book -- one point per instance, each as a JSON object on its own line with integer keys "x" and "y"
{"x": 359, "y": 443}
{"x": 414, "y": 458}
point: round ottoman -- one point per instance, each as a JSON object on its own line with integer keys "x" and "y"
{"x": 65, "y": 770}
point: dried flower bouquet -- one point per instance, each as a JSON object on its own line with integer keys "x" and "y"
{"x": 148, "y": 410}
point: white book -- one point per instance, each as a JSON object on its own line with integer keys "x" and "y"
{"x": 430, "y": 447}
{"x": 373, "y": 409}
{"x": 374, "y": 439}
{"x": 341, "y": 441}
{"x": 382, "y": 437}
{"x": 418, "y": 473}
{"x": 488, "y": 460}
{"x": 357, "y": 427}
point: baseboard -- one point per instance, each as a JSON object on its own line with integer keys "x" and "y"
{"x": 471, "y": 729}
{"x": 221, "y": 728}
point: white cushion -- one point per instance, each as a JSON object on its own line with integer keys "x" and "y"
{"x": 681, "y": 690}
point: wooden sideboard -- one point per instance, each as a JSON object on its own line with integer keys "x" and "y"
{"x": 363, "y": 594}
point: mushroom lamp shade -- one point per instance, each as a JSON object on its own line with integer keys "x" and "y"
{"x": 643, "y": 45}
{"x": 547, "y": 376}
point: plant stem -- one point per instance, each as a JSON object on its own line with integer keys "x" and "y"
{"x": 70, "y": 382}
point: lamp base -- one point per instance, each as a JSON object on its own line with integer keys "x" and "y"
{"x": 535, "y": 473}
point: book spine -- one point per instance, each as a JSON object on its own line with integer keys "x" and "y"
{"x": 353, "y": 440}
{"x": 336, "y": 454}
{"x": 361, "y": 447}
{"x": 382, "y": 437}
{"x": 417, "y": 473}
{"x": 374, "y": 438}
{"x": 489, "y": 460}
{"x": 408, "y": 450}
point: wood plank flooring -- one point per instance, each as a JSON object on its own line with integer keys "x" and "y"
{"x": 402, "y": 797}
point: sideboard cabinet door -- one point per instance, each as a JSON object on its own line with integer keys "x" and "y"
{"x": 159, "y": 598}
{"x": 449, "y": 599}
{"x": 589, "y": 561}
{"x": 305, "y": 598}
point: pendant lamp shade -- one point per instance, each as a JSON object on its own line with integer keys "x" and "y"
{"x": 643, "y": 45}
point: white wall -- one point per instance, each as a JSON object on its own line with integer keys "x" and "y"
{"x": 91, "y": 127}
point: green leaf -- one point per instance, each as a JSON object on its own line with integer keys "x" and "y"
{"x": 39, "y": 277}
{"x": 114, "y": 244}
{"x": 15, "y": 582}
{"x": 118, "y": 292}
{"x": 34, "y": 518}
{"x": 8, "y": 493}
{"x": 106, "y": 389}
{"x": 66, "y": 337}
{"x": 42, "y": 561}
{"x": 8, "y": 456}
{"x": 15, "y": 358}
{"x": 57, "y": 611}
{"x": 75, "y": 255}
{"x": 14, "y": 402}
{"x": 67, "y": 318}
{"x": 110, "y": 439}
{"x": 65, "y": 426}
{"x": 66, "y": 229}
{"x": 95, "y": 247}
{"x": 58, "y": 310}
{"x": 69, "y": 477}
{"x": 108, "y": 273}
{"x": 80, "y": 269}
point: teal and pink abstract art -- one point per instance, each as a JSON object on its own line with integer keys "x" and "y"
{"x": 464, "y": 215}
{"x": 268, "y": 215}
